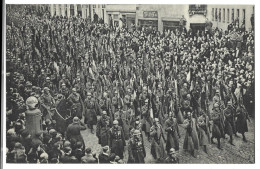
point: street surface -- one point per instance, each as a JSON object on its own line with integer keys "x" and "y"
{"x": 241, "y": 153}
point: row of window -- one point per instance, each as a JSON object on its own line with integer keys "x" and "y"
{"x": 79, "y": 10}
{"x": 79, "y": 6}
{"x": 223, "y": 15}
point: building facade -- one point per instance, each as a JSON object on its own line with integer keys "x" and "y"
{"x": 161, "y": 16}
{"x": 222, "y": 15}
{"x": 121, "y": 14}
{"x": 83, "y": 10}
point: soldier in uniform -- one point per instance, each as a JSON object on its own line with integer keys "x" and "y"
{"x": 65, "y": 81}
{"x": 241, "y": 122}
{"x": 157, "y": 139}
{"x": 204, "y": 131}
{"x": 218, "y": 124}
{"x": 230, "y": 127}
{"x": 173, "y": 135}
{"x": 28, "y": 89}
{"x": 41, "y": 78}
{"x": 172, "y": 157}
{"x": 77, "y": 106}
{"x": 50, "y": 85}
{"x": 191, "y": 141}
{"x": 116, "y": 139}
{"x": 91, "y": 111}
{"x": 64, "y": 90}
{"x": 47, "y": 101}
{"x": 73, "y": 131}
{"x": 103, "y": 126}
{"x": 136, "y": 148}
{"x": 146, "y": 119}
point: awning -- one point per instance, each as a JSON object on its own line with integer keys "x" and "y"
{"x": 149, "y": 19}
{"x": 171, "y": 19}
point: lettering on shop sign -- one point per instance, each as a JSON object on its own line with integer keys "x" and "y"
{"x": 150, "y": 14}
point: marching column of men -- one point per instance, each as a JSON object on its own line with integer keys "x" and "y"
{"x": 133, "y": 83}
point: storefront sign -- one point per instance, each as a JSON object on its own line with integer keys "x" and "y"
{"x": 150, "y": 14}
{"x": 201, "y": 12}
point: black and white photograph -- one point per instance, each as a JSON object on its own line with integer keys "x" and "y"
{"x": 129, "y": 83}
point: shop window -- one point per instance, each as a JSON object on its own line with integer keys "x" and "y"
{"x": 212, "y": 11}
{"x": 219, "y": 15}
{"x": 71, "y": 10}
{"x": 224, "y": 15}
{"x": 216, "y": 14}
{"x": 232, "y": 15}
{"x": 115, "y": 16}
{"x": 244, "y": 15}
{"x": 228, "y": 15}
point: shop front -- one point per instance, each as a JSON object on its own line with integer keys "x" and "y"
{"x": 171, "y": 24}
{"x": 150, "y": 19}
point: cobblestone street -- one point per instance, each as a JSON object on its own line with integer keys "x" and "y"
{"x": 241, "y": 153}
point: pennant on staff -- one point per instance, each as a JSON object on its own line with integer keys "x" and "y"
{"x": 94, "y": 66}
{"x": 151, "y": 113}
{"x": 188, "y": 76}
{"x": 56, "y": 66}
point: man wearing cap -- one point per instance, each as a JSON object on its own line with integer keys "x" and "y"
{"x": 73, "y": 131}
{"x": 64, "y": 90}
{"x": 116, "y": 139}
{"x": 230, "y": 128}
{"x": 172, "y": 157}
{"x": 65, "y": 81}
{"x": 136, "y": 150}
{"x": 218, "y": 124}
{"x": 91, "y": 109}
{"x": 104, "y": 157}
{"x": 146, "y": 119}
{"x": 157, "y": 141}
{"x": 50, "y": 85}
{"x": 103, "y": 126}
{"x": 204, "y": 130}
{"x": 89, "y": 157}
{"x": 173, "y": 135}
{"x": 77, "y": 106}
{"x": 46, "y": 103}
{"x": 28, "y": 89}
{"x": 42, "y": 78}
{"x": 191, "y": 141}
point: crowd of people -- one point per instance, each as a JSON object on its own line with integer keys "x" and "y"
{"x": 129, "y": 82}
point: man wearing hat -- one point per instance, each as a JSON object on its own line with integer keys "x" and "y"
{"x": 104, "y": 157}
{"x": 191, "y": 140}
{"x": 26, "y": 140}
{"x": 146, "y": 118}
{"x": 91, "y": 109}
{"x": 173, "y": 135}
{"x": 116, "y": 139}
{"x": 41, "y": 78}
{"x": 73, "y": 131}
{"x": 50, "y": 85}
{"x": 218, "y": 124}
{"x": 103, "y": 126}
{"x": 230, "y": 128}
{"x": 172, "y": 157}
{"x": 157, "y": 141}
{"x": 77, "y": 106}
{"x": 89, "y": 156}
{"x": 64, "y": 90}
{"x": 136, "y": 150}
{"x": 65, "y": 81}
{"x": 46, "y": 102}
